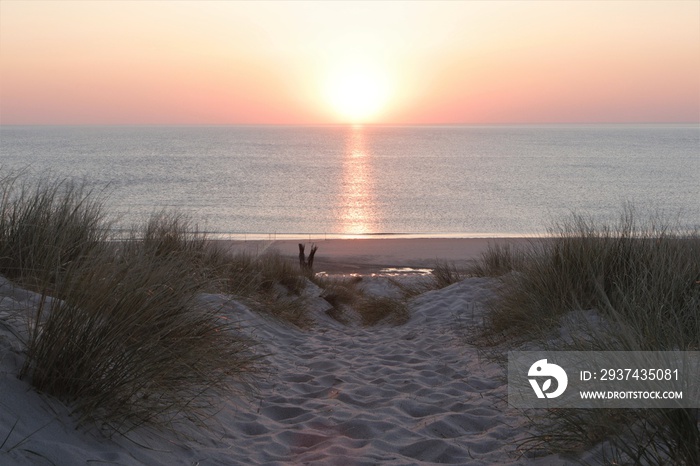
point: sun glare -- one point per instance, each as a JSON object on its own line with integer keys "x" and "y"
{"x": 357, "y": 95}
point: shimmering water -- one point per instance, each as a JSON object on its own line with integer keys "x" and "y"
{"x": 457, "y": 181}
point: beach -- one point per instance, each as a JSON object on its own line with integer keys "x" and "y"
{"x": 349, "y": 233}
{"x": 415, "y": 393}
{"x": 368, "y": 256}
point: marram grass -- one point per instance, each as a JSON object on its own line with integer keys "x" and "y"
{"x": 644, "y": 273}
{"x": 129, "y": 344}
{"x": 119, "y": 332}
{"x": 47, "y": 226}
{"x": 643, "y": 278}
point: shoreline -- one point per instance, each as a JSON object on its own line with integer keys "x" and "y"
{"x": 373, "y": 255}
{"x": 331, "y": 236}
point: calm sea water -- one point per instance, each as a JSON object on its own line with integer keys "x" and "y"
{"x": 446, "y": 181}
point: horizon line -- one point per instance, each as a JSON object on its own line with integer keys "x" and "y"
{"x": 351, "y": 124}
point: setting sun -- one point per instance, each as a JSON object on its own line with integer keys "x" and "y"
{"x": 519, "y": 173}
{"x": 305, "y": 63}
{"x": 357, "y": 94}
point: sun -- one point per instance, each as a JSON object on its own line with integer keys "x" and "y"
{"x": 357, "y": 94}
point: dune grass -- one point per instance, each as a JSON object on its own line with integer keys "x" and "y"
{"x": 352, "y": 304}
{"x": 339, "y": 291}
{"x": 47, "y": 226}
{"x": 645, "y": 274}
{"x": 260, "y": 274}
{"x": 270, "y": 283}
{"x": 129, "y": 344}
{"x": 497, "y": 260}
{"x": 170, "y": 234}
{"x": 445, "y": 274}
{"x": 643, "y": 278}
{"x": 381, "y": 309}
{"x": 119, "y": 332}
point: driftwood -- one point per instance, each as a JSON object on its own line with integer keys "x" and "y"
{"x": 307, "y": 265}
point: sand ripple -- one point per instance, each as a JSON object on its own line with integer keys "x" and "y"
{"x": 336, "y": 395}
{"x": 411, "y": 394}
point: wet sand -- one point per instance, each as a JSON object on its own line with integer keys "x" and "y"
{"x": 371, "y": 255}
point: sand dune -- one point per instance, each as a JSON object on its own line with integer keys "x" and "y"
{"x": 343, "y": 395}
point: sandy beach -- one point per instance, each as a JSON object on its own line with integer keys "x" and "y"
{"x": 501, "y": 198}
{"x": 369, "y": 255}
{"x": 335, "y": 394}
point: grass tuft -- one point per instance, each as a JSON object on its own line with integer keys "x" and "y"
{"x": 497, "y": 260}
{"x": 642, "y": 278}
{"x": 377, "y": 309}
{"x": 271, "y": 284}
{"x": 339, "y": 291}
{"x": 46, "y": 227}
{"x": 129, "y": 344}
{"x": 445, "y": 274}
{"x": 119, "y": 332}
{"x": 644, "y": 274}
{"x": 254, "y": 275}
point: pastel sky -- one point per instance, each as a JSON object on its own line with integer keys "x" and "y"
{"x": 218, "y": 62}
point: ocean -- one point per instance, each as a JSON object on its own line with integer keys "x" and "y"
{"x": 336, "y": 181}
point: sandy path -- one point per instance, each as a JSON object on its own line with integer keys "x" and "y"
{"x": 410, "y": 394}
{"x": 343, "y": 395}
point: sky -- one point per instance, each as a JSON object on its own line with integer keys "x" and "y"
{"x": 472, "y": 62}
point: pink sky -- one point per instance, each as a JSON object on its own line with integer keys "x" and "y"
{"x": 287, "y": 63}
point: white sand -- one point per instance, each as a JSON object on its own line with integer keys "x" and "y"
{"x": 412, "y": 394}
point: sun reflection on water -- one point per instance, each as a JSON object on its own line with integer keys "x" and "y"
{"x": 357, "y": 196}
